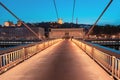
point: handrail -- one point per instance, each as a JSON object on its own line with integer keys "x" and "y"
{"x": 14, "y": 56}
{"x": 20, "y": 47}
{"x": 106, "y": 58}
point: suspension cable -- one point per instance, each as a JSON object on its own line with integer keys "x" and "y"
{"x": 56, "y": 9}
{"x": 98, "y": 18}
{"x": 20, "y": 20}
{"x": 73, "y": 10}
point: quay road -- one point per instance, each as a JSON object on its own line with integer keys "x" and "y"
{"x": 62, "y": 61}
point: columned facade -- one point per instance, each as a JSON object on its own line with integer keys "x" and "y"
{"x": 66, "y": 33}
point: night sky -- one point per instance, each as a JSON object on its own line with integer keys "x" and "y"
{"x": 87, "y": 11}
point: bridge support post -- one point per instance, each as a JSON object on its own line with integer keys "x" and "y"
{"x": 0, "y": 63}
{"x": 92, "y": 54}
{"x": 113, "y": 65}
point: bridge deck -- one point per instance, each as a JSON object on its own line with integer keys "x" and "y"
{"x": 62, "y": 61}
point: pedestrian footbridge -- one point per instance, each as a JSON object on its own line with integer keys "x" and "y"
{"x": 60, "y": 59}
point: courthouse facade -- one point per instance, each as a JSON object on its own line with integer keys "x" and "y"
{"x": 66, "y": 33}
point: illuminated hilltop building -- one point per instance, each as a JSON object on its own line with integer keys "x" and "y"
{"x": 8, "y": 23}
{"x": 19, "y": 23}
{"x": 60, "y": 21}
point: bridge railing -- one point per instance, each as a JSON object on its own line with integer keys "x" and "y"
{"x": 11, "y": 57}
{"x": 108, "y": 59}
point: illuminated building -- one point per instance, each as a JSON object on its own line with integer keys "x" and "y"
{"x": 60, "y": 21}
{"x": 66, "y": 33}
{"x": 19, "y": 23}
{"x": 8, "y": 23}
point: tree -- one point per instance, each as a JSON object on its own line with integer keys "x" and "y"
{"x": 0, "y": 25}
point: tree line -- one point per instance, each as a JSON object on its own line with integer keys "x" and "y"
{"x": 106, "y": 29}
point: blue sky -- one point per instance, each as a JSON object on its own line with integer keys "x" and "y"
{"x": 87, "y": 11}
